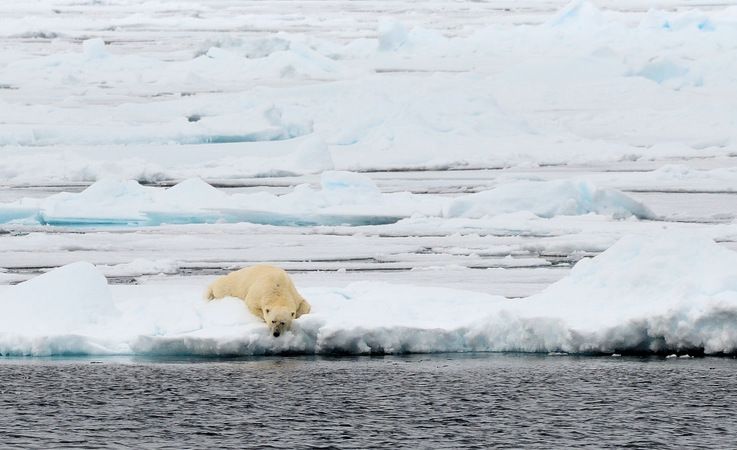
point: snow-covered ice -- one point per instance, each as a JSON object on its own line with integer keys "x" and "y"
{"x": 64, "y": 299}
{"x": 640, "y": 295}
{"x": 506, "y": 176}
{"x": 547, "y": 199}
{"x": 585, "y": 84}
{"x": 343, "y": 197}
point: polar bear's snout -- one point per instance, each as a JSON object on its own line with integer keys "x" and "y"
{"x": 278, "y": 320}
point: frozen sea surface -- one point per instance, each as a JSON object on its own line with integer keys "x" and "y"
{"x": 482, "y": 150}
{"x": 439, "y": 401}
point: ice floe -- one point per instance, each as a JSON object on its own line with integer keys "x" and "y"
{"x": 547, "y": 199}
{"x": 672, "y": 293}
{"x": 343, "y": 198}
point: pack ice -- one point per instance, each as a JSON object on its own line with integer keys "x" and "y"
{"x": 586, "y": 92}
{"x": 584, "y": 86}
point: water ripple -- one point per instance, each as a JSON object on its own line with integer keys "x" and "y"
{"x": 424, "y": 401}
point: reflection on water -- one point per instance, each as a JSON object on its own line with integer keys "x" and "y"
{"x": 454, "y": 401}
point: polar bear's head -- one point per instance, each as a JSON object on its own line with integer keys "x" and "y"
{"x": 278, "y": 319}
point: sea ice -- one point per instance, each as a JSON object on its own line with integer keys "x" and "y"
{"x": 547, "y": 199}
{"x": 68, "y": 298}
{"x": 528, "y": 96}
{"x": 641, "y": 295}
{"x": 343, "y": 197}
{"x": 588, "y": 85}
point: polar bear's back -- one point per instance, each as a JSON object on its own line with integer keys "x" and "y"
{"x": 261, "y": 278}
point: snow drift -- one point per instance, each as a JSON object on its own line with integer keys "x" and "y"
{"x": 644, "y": 294}
{"x": 673, "y": 292}
{"x": 45, "y": 314}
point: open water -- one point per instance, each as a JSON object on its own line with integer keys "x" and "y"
{"x": 418, "y": 401}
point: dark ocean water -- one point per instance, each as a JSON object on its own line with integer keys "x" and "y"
{"x": 422, "y": 401}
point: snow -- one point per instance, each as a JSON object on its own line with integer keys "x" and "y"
{"x": 587, "y": 84}
{"x": 547, "y": 199}
{"x": 157, "y": 162}
{"x": 67, "y": 298}
{"x": 343, "y": 197}
{"x": 140, "y": 266}
{"x": 647, "y": 293}
{"x": 392, "y": 35}
{"x": 640, "y": 295}
{"x": 94, "y": 49}
{"x": 507, "y": 176}
{"x": 578, "y": 13}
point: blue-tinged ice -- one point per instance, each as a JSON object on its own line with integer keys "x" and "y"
{"x": 343, "y": 198}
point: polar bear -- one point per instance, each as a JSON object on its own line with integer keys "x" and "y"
{"x": 268, "y": 292}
